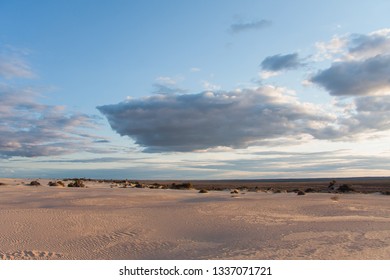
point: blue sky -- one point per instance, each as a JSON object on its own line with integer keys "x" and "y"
{"x": 194, "y": 89}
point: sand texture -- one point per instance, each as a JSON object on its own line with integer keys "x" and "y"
{"x": 105, "y": 221}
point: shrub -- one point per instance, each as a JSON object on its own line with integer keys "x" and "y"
{"x": 203, "y": 191}
{"x": 35, "y": 183}
{"x": 53, "y": 184}
{"x": 345, "y": 188}
{"x": 331, "y": 183}
{"x": 301, "y": 193}
{"x": 183, "y": 186}
{"x": 76, "y": 184}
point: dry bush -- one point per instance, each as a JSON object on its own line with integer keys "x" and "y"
{"x": 76, "y": 184}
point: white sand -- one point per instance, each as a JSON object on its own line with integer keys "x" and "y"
{"x": 100, "y": 222}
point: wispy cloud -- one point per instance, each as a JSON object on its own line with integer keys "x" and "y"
{"x": 29, "y": 128}
{"x": 252, "y": 25}
{"x": 12, "y": 66}
{"x": 167, "y": 85}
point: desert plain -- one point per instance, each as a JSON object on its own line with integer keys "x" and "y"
{"x": 257, "y": 220}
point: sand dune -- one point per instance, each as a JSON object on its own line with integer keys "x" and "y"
{"x": 108, "y": 222}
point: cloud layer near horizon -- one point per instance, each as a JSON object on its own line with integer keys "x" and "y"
{"x": 31, "y": 129}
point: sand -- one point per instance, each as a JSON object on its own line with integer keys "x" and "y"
{"x": 107, "y": 222}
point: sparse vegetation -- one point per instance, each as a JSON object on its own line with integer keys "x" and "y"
{"x": 183, "y": 186}
{"x": 203, "y": 191}
{"x": 2, "y": 184}
{"x": 35, "y": 183}
{"x": 331, "y": 184}
{"x": 301, "y": 193}
{"x": 345, "y": 188}
{"x": 77, "y": 184}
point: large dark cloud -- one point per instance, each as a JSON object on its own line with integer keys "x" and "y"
{"x": 280, "y": 62}
{"x": 356, "y": 77}
{"x": 205, "y": 120}
{"x": 253, "y": 25}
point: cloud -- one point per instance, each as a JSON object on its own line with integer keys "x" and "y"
{"x": 331, "y": 49}
{"x": 280, "y": 62}
{"x": 354, "y": 46}
{"x": 363, "y": 118}
{"x": 210, "y": 86}
{"x": 14, "y": 67}
{"x": 361, "y": 64}
{"x": 31, "y": 129}
{"x": 167, "y": 85}
{"x": 193, "y": 122}
{"x": 362, "y": 46}
{"x": 356, "y": 78}
{"x": 246, "y": 26}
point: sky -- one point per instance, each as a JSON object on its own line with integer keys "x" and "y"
{"x": 194, "y": 89}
